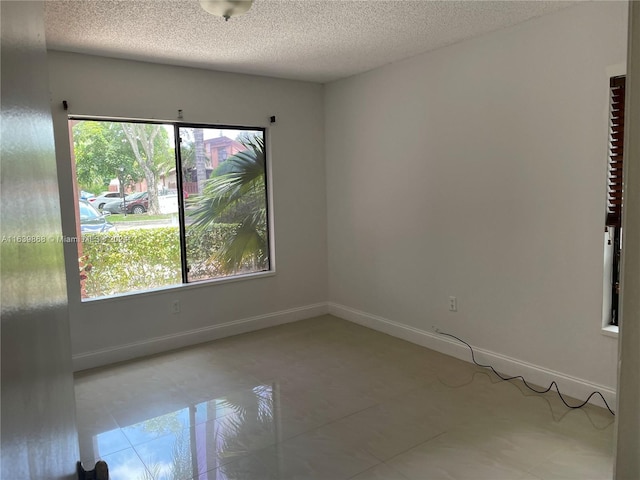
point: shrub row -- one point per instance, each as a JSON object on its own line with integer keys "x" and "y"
{"x": 141, "y": 259}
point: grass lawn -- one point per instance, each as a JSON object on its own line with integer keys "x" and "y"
{"x": 143, "y": 217}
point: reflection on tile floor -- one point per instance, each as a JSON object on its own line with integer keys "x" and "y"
{"x": 327, "y": 399}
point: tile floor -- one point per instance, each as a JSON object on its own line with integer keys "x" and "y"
{"x": 327, "y": 399}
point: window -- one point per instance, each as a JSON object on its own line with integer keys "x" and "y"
{"x": 613, "y": 224}
{"x": 173, "y": 218}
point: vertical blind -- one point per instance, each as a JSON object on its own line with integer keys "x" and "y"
{"x": 616, "y": 132}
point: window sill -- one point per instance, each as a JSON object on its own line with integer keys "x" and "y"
{"x": 610, "y": 331}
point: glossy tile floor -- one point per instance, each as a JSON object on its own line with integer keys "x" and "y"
{"x": 329, "y": 400}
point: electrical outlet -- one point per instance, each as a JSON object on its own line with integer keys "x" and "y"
{"x": 453, "y": 304}
{"x": 175, "y": 308}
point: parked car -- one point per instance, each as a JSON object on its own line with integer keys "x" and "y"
{"x": 139, "y": 204}
{"x": 135, "y": 202}
{"x": 172, "y": 191}
{"x": 104, "y": 198}
{"x": 86, "y": 195}
{"x": 91, "y": 220}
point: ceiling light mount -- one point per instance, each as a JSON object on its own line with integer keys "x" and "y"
{"x": 226, "y": 8}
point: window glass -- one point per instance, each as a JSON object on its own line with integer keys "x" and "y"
{"x": 226, "y": 208}
{"x": 167, "y": 216}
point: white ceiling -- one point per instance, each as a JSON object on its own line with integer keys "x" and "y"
{"x": 314, "y": 40}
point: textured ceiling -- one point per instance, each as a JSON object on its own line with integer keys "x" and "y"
{"x": 315, "y": 40}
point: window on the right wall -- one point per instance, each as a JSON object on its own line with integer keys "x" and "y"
{"x": 613, "y": 224}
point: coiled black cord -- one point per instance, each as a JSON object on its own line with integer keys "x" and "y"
{"x": 520, "y": 377}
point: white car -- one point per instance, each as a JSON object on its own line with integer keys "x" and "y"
{"x": 104, "y": 197}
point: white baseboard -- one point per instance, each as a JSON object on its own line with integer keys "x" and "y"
{"x": 569, "y": 386}
{"x": 121, "y": 353}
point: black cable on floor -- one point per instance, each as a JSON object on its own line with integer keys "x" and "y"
{"x": 520, "y": 377}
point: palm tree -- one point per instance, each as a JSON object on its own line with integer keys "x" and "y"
{"x": 236, "y": 194}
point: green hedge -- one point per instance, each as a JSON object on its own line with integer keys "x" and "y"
{"x": 141, "y": 259}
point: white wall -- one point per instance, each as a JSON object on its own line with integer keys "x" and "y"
{"x": 111, "y": 330}
{"x": 478, "y": 170}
